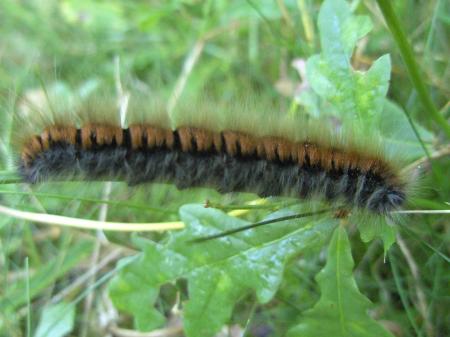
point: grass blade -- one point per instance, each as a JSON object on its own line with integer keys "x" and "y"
{"x": 411, "y": 64}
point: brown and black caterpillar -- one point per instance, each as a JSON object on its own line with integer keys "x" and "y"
{"x": 227, "y": 160}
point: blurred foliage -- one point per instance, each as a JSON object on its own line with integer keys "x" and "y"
{"x": 227, "y": 49}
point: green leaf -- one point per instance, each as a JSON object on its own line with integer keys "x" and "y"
{"x": 399, "y": 135}
{"x": 128, "y": 292}
{"x": 219, "y": 272}
{"x": 377, "y": 227}
{"x": 310, "y": 101}
{"x": 341, "y": 309}
{"x": 340, "y": 30}
{"x": 356, "y": 95}
{"x": 56, "y": 320}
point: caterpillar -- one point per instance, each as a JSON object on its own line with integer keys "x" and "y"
{"x": 231, "y": 153}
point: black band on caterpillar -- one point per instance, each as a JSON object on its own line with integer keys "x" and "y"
{"x": 227, "y": 161}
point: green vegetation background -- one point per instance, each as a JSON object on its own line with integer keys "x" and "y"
{"x": 55, "y": 281}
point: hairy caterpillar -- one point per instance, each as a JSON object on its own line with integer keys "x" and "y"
{"x": 224, "y": 149}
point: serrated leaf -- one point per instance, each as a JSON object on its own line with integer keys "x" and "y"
{"x": 129, "y": 293}
{"x": 56, "y": 320}
{"x": 356, "y": 95}
{"x": 377, "y": 227}
{"x": 341, "y": 309}
{"x": 360, "y": 96}
{"x": 340, "y": 30}
{"x": 219, "y": 272}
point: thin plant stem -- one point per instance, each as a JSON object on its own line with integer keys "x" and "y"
{"x": 89, "y": 224}
{"x": 403, "y": 294}
{"x": 27, "y": 270}
{"x": 411, "y": 64}
{"x": 258, "y": 224}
